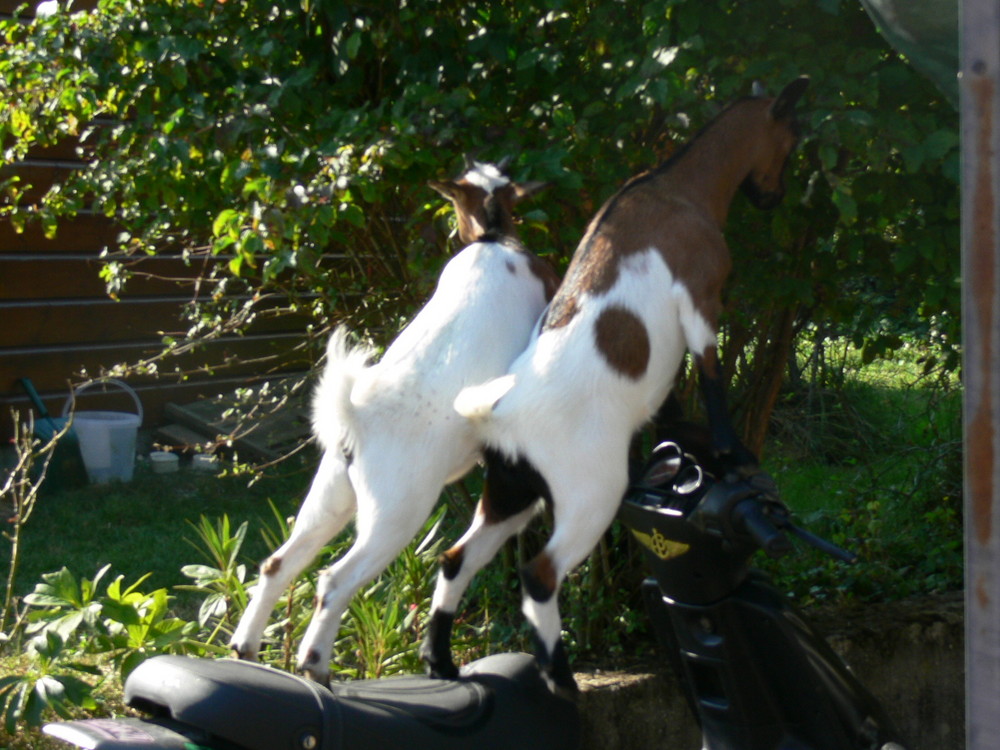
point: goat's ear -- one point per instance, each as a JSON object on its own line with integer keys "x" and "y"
{"x": 523, "y": 189}
{"x": 784, "y": 105}
{"x": 448, "y": 189}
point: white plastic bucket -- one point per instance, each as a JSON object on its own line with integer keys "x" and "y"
{"x": 107, "y": 438}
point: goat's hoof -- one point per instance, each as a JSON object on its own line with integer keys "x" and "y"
{"x": 441, "y": 670}
{"x": 319, "y": 676}
{"x": 567, "y": 692}
{"x": 562, "y": 685}
{"x": 438, "y": 667}
{"x": 313, "y": 667}
{"x": 557, "y": 672}
{"x": 242, "y": 653}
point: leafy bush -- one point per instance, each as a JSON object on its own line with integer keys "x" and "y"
{"x": 124, "y": 624}
{"x": 292, "y": 144}
{"x": 51, "y": 682}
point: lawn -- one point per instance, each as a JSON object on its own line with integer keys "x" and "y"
{"x": 143, "y": 526}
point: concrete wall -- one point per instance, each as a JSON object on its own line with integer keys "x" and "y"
{"x": 909, "y": 654}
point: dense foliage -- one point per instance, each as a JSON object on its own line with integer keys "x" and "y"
{"x": 294, "y": 142}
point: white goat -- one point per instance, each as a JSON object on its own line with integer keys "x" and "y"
{"x": 389, "y": 435}
{"x": 643, "y": 287}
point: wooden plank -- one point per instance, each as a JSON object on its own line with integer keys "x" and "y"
{"x": 36, "y": 176}
{"x": 85, "y": 233}
{"x": 181, "y": 437}
{"x": 101, "y": 321}
{"x": 88, "y": 321}
{"x": 265, "y": 438}
{"x": 50, "y": 368}
{"x": 38, "y": 276}
{"x": 67, "y": 149}
{"x": 154, "y": 399}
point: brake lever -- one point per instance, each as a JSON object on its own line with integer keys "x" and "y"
{"x": 768, "y": 519}
{"x": 821, "y": 544}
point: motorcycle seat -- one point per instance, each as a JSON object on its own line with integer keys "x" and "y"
{"x": 498, "y": 701}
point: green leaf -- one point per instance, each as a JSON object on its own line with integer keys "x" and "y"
{"x": 224, "y": 221}
{"x": 353, "y": 45}
{"x": 846, "y": 205}
{"x": 940, "y": 143}
{"x": 122, "y": 613}
{"x": 201, "y": 572}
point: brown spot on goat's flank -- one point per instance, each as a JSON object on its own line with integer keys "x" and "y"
{"x": 451, "y": 561}
{"x": 623, "y": 340}
{"x": 271, "y": 566}
{"x": 511, "y": 267}
{"x": 539, "y": 578}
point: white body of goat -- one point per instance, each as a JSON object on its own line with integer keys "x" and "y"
{"x": 390, "y": 437}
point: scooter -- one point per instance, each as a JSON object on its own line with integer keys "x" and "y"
{"x": 756, "y": 675}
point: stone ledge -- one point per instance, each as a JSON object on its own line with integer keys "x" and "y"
{"x": 910, "y": 654}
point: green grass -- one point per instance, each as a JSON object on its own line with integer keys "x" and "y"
{"x": 873, "y": 460}
{"x": 142, "y": 526}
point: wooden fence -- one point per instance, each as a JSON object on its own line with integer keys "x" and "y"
{"x": 58, "y": 325}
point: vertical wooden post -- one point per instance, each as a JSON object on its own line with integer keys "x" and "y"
{"x": 980, "y": 117}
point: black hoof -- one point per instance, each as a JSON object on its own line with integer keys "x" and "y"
{"x": 241, "y": 654}
{"x": 435, "y": 651}
{"x": 442, "y": 671}
{"x": 321, "y": 677}
{"x": 436, "y": 665}
{"x": 557, "y": 672}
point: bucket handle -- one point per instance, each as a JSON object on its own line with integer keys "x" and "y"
{"x": 113, "y": 381}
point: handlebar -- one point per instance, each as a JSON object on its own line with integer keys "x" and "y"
{"x": 749, "y": 515}
{"x": 744, "y": 513}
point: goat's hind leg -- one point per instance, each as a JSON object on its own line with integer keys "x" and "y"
{"x": 384, "y": 528}
{"x": 328, "y": 507}
{"x": 510, "y": 494}
{"x": 583, "y": 510}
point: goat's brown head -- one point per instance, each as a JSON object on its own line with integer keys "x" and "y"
{"x": 765, "y": 186}
{"x": 484, "y": 198}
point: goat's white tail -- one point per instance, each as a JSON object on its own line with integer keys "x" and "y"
{"x": 332, "y": 414}
{"x": 478, "y": 401}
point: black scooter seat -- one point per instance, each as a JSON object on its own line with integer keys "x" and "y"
{"x": 500, "y": 701}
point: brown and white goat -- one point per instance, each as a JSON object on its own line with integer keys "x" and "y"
{"x": 390, "y": 437}
{"x": 643, "y": 288}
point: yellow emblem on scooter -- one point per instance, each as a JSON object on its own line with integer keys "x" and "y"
{"x": 662, "y": 547}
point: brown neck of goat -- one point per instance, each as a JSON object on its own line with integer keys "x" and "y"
{"x": 711, "y": 168}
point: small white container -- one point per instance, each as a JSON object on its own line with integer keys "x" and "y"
{"x": 205, "y": 462}
{"x": 164, "y": 462}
